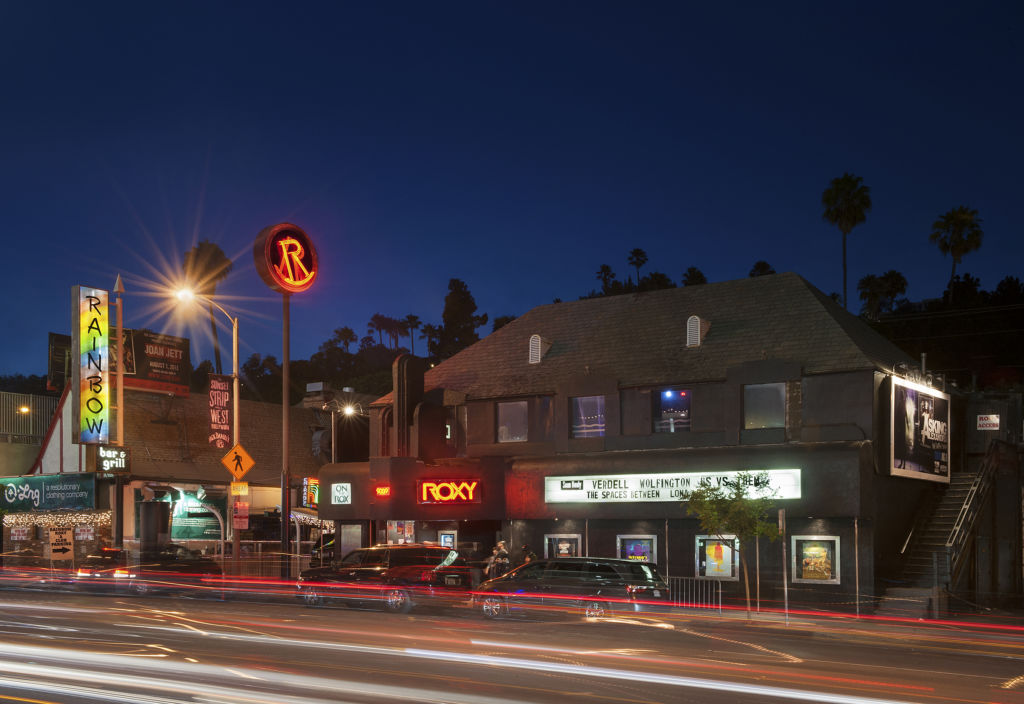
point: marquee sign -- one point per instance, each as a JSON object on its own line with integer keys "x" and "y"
{"x": 285, "y": 258}
{"x": 90, "y": 351}
{"x": 448, "y": 491}
{"x": 676, "y": 486}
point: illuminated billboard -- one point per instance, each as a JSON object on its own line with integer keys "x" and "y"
{"x": 919, "y": 446}
{"x": 156, "y": 362}
{"x": 90, "y": 366}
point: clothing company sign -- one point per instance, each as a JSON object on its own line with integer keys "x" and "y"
{"x": 449, "y": 491}
{"x": 46, "y": 493}
{"x": 610, "y": 488}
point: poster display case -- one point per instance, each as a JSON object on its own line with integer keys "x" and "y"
{"x": 816, "y": 559}
{"x": 642, "y": 548}
{"x": 717, "y": 557}
{"x": 563, "y": 545}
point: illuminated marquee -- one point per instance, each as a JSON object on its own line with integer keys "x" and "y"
{"x": 90, "y": 346}
{"x": 448, "y": 491}
{"x": 285, "y": 258}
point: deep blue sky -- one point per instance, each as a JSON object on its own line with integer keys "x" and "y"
{"x": 517, "y": 146}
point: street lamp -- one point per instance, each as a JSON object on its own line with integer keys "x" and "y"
{"x": 186, "y": 295}
{"x": 347, "y": 409}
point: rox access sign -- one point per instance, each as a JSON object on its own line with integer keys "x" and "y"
{"x": 448, "y": 491}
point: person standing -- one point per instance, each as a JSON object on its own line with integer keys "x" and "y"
{"x": 527, "y": 555}
{"x": 501, "y": 562}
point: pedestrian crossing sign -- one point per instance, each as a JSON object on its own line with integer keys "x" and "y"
{"x": 237, "y": 461}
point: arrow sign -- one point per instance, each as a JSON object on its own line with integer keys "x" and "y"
{"x": 61, "y": 543}
{"x": 60, "y": 550}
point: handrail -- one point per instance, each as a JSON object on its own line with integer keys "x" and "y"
{"x": 971, "y": 507}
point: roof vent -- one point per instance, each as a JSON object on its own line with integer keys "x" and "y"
{"x": 696, "y": 331}
{"x": 538, "y": 348}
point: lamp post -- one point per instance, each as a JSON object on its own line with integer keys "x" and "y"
{"x": 187, "y": 295}
{"x": 349, "y": 410}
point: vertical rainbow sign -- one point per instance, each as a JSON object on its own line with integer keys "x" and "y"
{"x": 90, "y": 350}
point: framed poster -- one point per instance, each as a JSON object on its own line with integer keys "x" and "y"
{"x": 816, "y": 559}
{"x": 448, "y": 538}
{"x": 642, "y": 548}
{"x": 717, "y": 557}
{"x": 562, "y": 545}
{"x": 920, "y": 432}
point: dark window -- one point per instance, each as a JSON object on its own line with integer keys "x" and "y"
{"x": 530, "y": 571}
{"x": 764, "y": 406}
{"x": 642, "y": 572}
{"x": 353, "y": 559}
{"x": 601, "y": 570}
{"x": 374, "y": 558}
{"x": 513, "y": 421}
{"x": 587, "y": 416}
{"x": 671, "y": 410}
{"x": 566, "y": 569}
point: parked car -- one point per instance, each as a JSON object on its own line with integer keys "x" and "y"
{"x": 172, "y": 568}
{"x": 395, "y": 577}
{"x": 593, "y": 586}
{"x": 322, "y": 554}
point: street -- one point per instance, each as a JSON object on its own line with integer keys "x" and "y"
{"x": 62, "y": 647}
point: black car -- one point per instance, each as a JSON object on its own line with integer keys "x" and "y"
{"x": 171, "y": 568}
{"x": 395, "y": 577}
{"x": 593, "y": 586}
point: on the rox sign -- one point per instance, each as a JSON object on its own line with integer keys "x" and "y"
{"x": 90, "y": 354}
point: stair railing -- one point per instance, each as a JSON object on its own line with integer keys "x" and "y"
{"x": 973, "y": 504}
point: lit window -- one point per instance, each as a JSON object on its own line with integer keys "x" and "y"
{"x": 671, "y": 411}
{"x": 587, "y": 416}
{"x": 764, "y": 406}
{"x": 512, "y": 421}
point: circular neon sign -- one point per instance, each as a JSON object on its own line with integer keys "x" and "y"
{"x": 285, "y": 258}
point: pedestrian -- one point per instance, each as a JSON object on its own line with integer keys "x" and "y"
{"x": 489, "y": 564}
{"x": 501, "y": 560}
{"x": 527, "y": 555}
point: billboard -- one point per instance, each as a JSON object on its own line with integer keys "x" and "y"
{"x": 919, "y": 446}
{"x": 156, "y": 362}
{"x": 220, "y": 410}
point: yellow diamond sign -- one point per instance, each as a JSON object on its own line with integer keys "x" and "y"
{"x": 237, "y": 461}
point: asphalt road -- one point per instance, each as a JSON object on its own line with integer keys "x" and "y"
{"x": 60, "y": 647}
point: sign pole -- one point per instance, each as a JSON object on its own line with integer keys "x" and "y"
{"x": 785, "y": 576}
{"x": 118, "y": 527}
{"x": 285, "y": 498}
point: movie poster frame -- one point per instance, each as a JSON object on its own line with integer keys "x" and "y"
{"x": 898, "y": 414}
{"x": 836, "y": 564}
{"x": 577, "y": 537}
{"x": 735, "y": 567}
{"x": 646, "y": 536}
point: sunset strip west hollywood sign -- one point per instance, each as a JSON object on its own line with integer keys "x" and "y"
{"x": 90, "y": 366}
{"x": 610, "y": 488}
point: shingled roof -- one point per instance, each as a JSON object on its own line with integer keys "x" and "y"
{"x": 640, "y": 339}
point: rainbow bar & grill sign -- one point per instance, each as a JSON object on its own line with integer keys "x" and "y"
{"x": 90, "y": 350}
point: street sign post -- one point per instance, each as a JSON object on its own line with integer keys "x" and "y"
{"x": 237, "y": 461}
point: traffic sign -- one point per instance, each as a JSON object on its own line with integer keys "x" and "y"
{"x": 237, "y": 461}
{"x": 62, "y": 547}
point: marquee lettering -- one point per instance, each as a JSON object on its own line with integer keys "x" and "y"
{"x": 448, "y": 492}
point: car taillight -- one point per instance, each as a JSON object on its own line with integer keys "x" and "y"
{"x": 427, "y": 576}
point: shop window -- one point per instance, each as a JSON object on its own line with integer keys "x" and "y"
{"x": 513, "y": 421}
{"x": 671, "y": 413}
{"x": 764, "y": 406}
{"x": 816, "y": 559}
{"x": 717, "y": 557}
{"x": 587, "y": 416}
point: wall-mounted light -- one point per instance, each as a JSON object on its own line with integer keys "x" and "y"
{"x": 23, "y": 410}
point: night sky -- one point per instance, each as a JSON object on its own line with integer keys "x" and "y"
{"x": 517, "y": 146}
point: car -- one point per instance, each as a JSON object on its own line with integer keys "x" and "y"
{"x": 593, "y": 586}
{"x": 322, "y": 553}
{"x": 172, "y": 568}
{"x": 395, "y": 577}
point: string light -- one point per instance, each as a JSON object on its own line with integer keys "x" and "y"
{"x": 61, "y": 519}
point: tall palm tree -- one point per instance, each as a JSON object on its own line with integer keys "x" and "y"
{"x": 378, "y": 324}
{"x": 410, "y": 325}
{"x": 846, "y": 201}
{"x": 637, "y": 258}
{"x": 205, "y": 266}
{"x": 957, "y": 233}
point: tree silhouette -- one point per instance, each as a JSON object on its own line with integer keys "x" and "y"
{"x": 430, "y": 333}
{"x": 846, "y": 201}
{"x": 205, "y": 266}
{"x": 606, "y": 276}
{"x": 344, "y": 337}
{"x": 656, "y": 281}
{"x": 410, "y": 325}
{"x": 694, "y": 277}
{"x": 637, "y": 258}
{"x": 459, "y": 320}
{"x": 501, "y": 321}
{"x": 957, "y": 233}
{"x": 761, "y": 268}
{"x": 879, "y": 292}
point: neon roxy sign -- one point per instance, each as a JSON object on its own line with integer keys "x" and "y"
{"x": 448, "y": 491}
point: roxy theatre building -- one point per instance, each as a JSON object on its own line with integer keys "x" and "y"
{"x": 579, "y": 428}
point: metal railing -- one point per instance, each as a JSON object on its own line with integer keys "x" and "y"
{"x": 974, "y": 502}
{"x": 696, "y": 593}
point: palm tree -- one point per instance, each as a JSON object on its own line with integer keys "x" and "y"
{"x": 605, "y": 275}
{"x": 846, "y": 201}
{"x": 378, "y": 324}
{"x": 957, "y": 233}
{"x": 879, "y": 292}
{"x": 345, "y": 336}
{"x": 637, "y": 258}
{"x": 411, "y": 324}
{"x": 430, "y": 333}
{"x": 205, "y": 266}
